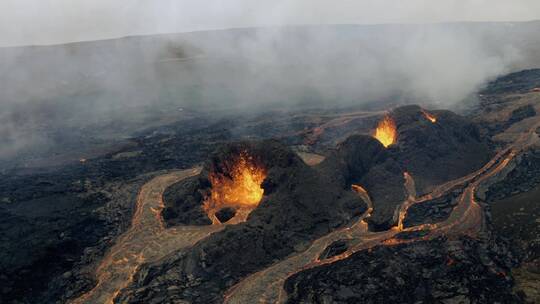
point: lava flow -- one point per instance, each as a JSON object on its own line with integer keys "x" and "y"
{"x": 238, "y": 188}
{"x": 429, "y": 116}
{"x": 386, "y": 131}
{"x": 266, "y": 286}
{"x": 146, "y": 241}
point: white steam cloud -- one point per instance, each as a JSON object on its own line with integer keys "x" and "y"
{"x": 51, "y": 96}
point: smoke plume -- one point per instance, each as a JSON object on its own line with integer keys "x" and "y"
{"x": 53, "y": 95}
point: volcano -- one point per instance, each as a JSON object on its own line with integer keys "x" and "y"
{"x": 334, "y": 199}
{"x": 424, "y": 150}
{"x": 236, "y": 189}
{"x": 316, "y": 205}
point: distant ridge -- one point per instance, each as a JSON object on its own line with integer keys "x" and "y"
{"x": 274, "y": 27}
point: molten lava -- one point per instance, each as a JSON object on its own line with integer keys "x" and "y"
{"x": 239, "y": 188}
{"x": 429, "y": 116}
{"x": 386, "y": 131}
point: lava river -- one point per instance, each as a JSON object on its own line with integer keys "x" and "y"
{"x": 147, "y": 240}
{"x": 466, "y": 218}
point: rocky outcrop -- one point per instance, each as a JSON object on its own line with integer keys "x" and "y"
{"x": 363, "y": 160}
{"x": 433, "y": 211}
{"x": 521, "y": 113}
{"x": 514, "y": 215}
{"x": 183, "y": 203}
{"x": 436, "y": 271}
{"x": 434, "y": 153}
{"x": 524, "y": 177}
{"x": 519, "y": 82}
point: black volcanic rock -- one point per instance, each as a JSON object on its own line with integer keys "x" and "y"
{"x": 517, "y": 115}
{"x": 514, "y": 209}
{"x": 225, "y": 214}
{"x": 336, "y": 248}
{"x": 433, "y": 211}
{"x": 521, "y": 113}
{"x": 424, "y": 149}
{"x": 434, "y": 153}
{"x": 183, "y": 200}
{"x": 353, "y": 158}
{"x": 300, "y": 204}
{"x": 436, "y": 271}
{"x": 363, "y": 160}
{"x": 519, "y": 82}
{"x": 183, "y": 203}
{"x": 385, "y": 185}
{"x": 411, "y": 235}
{"x": 523, "y": 178}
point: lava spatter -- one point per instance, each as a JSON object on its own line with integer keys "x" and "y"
{"x": 239, "y": 188}
{"x": 429, "y": 116}
{"x": 386, "y": 131}
{"x": 146, "y": 241}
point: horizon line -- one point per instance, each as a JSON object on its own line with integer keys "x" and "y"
{"x": 269, "y": 26}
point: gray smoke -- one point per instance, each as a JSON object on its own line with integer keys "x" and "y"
{"x": 30, "y": 22}
{"x": 51, "y": 96}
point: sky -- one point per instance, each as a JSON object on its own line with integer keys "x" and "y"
{"x": 42, "y": 22}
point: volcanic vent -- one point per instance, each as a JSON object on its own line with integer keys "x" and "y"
{"x": 408, "y": 139}
{"x": 232, "y": 184}
{"x": 386, "y": 131}
{"x": 235, "y": 187}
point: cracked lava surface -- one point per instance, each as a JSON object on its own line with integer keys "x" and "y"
{"x": 147, "y": 240}
{"x": 466, "y": 218}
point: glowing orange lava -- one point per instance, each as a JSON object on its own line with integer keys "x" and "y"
{"x": 386, "y": 131}
{"x": 429, "y": 116}
{"x": 240, "y": 188}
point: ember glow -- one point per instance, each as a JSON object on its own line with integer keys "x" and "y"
{"x": 240, "y": 188}
{"x": 386, "y": 131}
{"x": 430, "y": 116}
